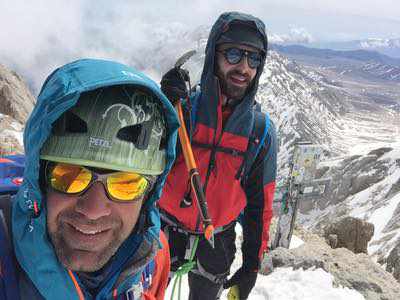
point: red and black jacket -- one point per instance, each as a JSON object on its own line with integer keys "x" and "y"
{"x": 217, "y": 147}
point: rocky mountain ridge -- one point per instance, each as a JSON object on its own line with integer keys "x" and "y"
{"x": 361, "y": 140}
{"x": 16, "y": 103}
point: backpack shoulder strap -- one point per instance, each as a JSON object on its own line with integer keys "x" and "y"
{"x": 8, "y": 279}
{"x": 260, "y": 129}
{"x": 194, "y": 103}
{"x": 257, "y": 140}
{"x": 5, "y": 213}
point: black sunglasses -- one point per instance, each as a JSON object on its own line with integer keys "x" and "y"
{"x": 234, "y": 55}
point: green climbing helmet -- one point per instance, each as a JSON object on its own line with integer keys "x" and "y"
{"x": 119, "y": 128}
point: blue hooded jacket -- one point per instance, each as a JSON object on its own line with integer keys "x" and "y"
{"x": 33, "y": 249}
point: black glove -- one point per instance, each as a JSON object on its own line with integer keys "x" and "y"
{"x": 173, "y": 84}
{"x": 245, "y": 280}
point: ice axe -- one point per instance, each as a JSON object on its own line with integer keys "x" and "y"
{"x": 190, "y": 162}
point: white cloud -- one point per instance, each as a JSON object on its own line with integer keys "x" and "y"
{"x": 46, "y": 34}
{"x": 38, "y": 36}
{"x": 296, "y": 35}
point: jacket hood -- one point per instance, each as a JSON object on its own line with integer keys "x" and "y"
{"x": 60, "y": 92}
{"x": 209, "y": 82}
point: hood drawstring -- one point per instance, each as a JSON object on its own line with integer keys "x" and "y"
{"x": 36, "y": 209}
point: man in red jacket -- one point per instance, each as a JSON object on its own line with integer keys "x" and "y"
{"x": 222, "y": 132}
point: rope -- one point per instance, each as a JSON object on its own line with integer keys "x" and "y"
{"x": 184, "y": 269}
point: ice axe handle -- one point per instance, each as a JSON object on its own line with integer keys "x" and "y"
{"x": 185, "y": 142}
{"x": 196, "y": 184}
{"x": 194, "y": 176}
{"x": 202, "y": 205}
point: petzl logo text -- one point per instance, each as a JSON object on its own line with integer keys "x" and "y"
{"x": 97, "y": 142}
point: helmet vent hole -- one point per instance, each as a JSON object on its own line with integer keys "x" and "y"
{"x": 163, "y": 143}
{"x": 138, "y": 134}
{"x": 69, "y": 123}
{"x": 130, "y": 133}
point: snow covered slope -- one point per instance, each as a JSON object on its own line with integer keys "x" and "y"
{"x": 312, "y": 284}
{"x": 307, "y": 105}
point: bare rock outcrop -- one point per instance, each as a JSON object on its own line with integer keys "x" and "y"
{"x": 16, "y": 103}
{"x": 393, "y": 262}
{"x": 10, "y": 136}
{"x": 355, "y": 271}
{"x": 16, "y": 100}
{"x": 351, "y": 233}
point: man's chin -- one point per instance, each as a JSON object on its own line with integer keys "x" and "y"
{"x": 84, "y": 261}
{"x": 236, "y": 93}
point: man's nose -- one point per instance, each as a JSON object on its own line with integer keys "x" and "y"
{"x": 244, "y": 64}
{"x": 94, "y": 203}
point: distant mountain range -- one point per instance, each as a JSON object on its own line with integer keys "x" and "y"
{"x": 362, "y": 64}
{"x": 390, "y": 47}
{"x": 360, "y": 54}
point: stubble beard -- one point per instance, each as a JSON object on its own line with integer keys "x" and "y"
{"x": 74, "y": 259}
{"x": 230, "y": 90}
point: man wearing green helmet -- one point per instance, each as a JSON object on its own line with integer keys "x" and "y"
{"x": 98, "y": 146}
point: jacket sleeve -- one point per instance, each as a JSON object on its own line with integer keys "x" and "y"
{"x": 161, "y": 271}
{"x": 259, "y": 188}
